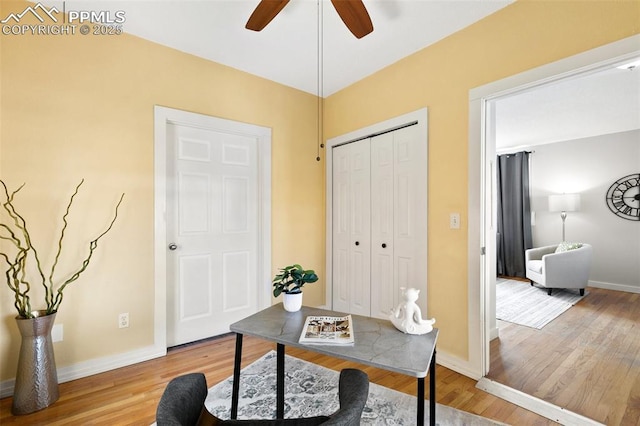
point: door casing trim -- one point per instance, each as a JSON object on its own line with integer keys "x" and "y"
{"x": 162, "y": 117}
{"x": 479, "y": 204}
{"x": 419, "y": 116}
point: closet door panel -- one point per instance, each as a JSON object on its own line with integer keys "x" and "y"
{"x": 379, "y": 222}
{"x": 382, "y": 289}
{"x": 360, "y": 226}
{"x": 404, "y": 272}
{"x": 341, "y": 228}
{"x": 351, "y": 231}
{"x": 410, "y": 209}
{"x": 359, "y": 285}
{"x": 382, "y": 228}
{"x": 341, "y": 279}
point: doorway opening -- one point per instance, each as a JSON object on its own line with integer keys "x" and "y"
{"x": 482, "y": 237}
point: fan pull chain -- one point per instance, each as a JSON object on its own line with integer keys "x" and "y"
{"x": 320, "y": 55}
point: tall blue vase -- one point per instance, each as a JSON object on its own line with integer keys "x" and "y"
{"x": 36, "y": 385}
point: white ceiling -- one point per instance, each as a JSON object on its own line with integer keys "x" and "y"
{"x": 288, "y": 51}
{"x": 599, "y": 103}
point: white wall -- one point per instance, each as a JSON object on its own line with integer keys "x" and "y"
{"x": 589, "y": 166}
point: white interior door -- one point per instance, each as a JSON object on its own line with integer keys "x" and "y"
{"x": 351, "y": 255}
{"x": 212, "y": 230}
{"x": 377, "y": 196}
{"x": 379, "y": 220}
{"x": 383, "y": 286}
{"x": 410, "y": 209}
{"x": 489, "y": 268}
{"x": 398, "y": 218}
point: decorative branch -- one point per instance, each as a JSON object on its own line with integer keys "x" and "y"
{"x": 16, "y": 272}
{"x": 92, "y": 246}
{"x": 49, "y": 295}
{"x": 19, "y": 266}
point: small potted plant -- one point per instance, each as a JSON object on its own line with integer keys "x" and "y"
{"x": 289, "y": 282}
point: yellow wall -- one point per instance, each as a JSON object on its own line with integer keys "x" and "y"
{"x": 73, "y": 107}
{"x": 521, "y": 36}
{"x": 82, "y": 106}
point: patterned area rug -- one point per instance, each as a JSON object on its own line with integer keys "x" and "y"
{"x": 311, "y": 390}
{"x": 520, "y": 303}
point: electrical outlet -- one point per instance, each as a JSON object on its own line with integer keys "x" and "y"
{"x": 123, "y": 320}
{"x": 57, "y": 332}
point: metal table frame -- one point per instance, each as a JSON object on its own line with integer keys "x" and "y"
{"x": 377, "y": 343}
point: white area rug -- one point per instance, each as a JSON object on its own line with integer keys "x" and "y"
{"x": 311, "y": 390}
{"x": 521, "y": 303}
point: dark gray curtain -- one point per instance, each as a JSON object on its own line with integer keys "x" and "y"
{"x": 514, "y": 213}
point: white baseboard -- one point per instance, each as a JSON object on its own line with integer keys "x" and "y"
{"x": 618, "y": 287}
{"x": 494, "y": 333}
{"x": 538, "y": 406}
{"x": 456, "y": 364}
{"x": 95, "y": 366}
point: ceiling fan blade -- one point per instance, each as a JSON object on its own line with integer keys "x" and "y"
{"x": 355, "y": 16}
{"x": 264, "y": 13}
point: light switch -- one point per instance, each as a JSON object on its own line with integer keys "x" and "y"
{"x": 454, "y": 221}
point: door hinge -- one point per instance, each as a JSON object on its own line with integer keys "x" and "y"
{"x": 483, "y": 251}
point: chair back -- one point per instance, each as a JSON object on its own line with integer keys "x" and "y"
{"x": 182, "y": 401}
{"x": 353, "y": 392}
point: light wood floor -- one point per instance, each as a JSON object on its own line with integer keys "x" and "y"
{"x": 587, "y": 360}
{"x": 128, "y": 396}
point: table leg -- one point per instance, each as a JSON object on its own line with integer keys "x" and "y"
{"x": 280, "y": 382}
{"x": 236, "y": 377}
{"x": 420, "y": 397}
{"x": 432, "y": 390}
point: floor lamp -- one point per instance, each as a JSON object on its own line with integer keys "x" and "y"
{"x": 564, "y": 203}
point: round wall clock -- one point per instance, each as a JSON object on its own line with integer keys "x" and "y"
{"x": 623, "y": 197}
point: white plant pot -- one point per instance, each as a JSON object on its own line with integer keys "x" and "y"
{"x": 292, "y": 302}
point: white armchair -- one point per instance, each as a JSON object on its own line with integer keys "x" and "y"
{"x": 568, "y": 269}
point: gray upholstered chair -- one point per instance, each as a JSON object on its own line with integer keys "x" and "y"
{"x": 182, "y": 404}
{"x": 567, "y": 269}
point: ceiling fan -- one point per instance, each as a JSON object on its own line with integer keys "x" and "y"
{"x": 352, "y": 12}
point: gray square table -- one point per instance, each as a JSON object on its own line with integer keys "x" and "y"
{"x": 377, "y": 343}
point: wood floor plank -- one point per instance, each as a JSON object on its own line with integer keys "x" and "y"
{"x": 129, "y": 395}
{"x": 586, "y": 360}
{"x": 632, "y": 412}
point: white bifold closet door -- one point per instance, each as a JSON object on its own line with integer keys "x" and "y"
{"x": 351, "y": 228}
{"x": 379, "y": 222}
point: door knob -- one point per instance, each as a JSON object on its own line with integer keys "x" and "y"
{"x": 173, "y": 246}
{"x": 384, "y": 245}
{"x": 357, "y": 243}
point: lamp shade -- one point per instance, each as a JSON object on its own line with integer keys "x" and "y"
{"x": 564, "y": 203}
